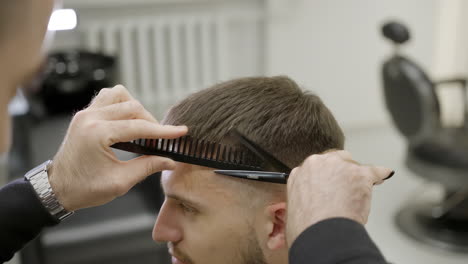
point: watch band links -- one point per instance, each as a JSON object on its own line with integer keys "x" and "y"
{"x": 39, "y": 179}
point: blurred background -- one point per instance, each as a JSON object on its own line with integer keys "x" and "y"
{"x": 163, "y": 50}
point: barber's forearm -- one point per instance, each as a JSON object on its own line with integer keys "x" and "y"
{"x": 335, "y": 240}
{"x": 22, "y": 217}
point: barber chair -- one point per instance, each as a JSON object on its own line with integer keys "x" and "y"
{"x": 118, "y": 232}
{"x": 438, "y": 154}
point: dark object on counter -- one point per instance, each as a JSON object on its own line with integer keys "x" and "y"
{"x": 72, "y": 78}
{"x": 436, "y": 153}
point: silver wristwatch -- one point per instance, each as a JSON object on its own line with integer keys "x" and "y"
{"x": 39, "y": 179}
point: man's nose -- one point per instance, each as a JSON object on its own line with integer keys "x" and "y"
{"x": 166, "y": 228}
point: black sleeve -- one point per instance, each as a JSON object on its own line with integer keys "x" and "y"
{"x": 332, "y": 241}
{"x": 22, "y": 217}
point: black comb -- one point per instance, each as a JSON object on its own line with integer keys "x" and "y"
{"x": 259, "y": 152}
{"x": 194, "y": 151}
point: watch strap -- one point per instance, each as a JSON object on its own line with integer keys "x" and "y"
{"x": 39, "y": 179}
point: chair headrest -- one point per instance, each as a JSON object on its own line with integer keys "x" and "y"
{"x": 396, "y": 32}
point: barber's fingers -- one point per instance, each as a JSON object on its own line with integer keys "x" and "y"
{"x": 127, "y": 130}
{"x": 292, "y": 179}
{"x": 108, "y": 96}
{"x": 126, "y": 110}
{"x": 328, "y": 151}
{"x": 343, "y": 154}
{"x": 137, "y": 169}
{"x": 382, "y": 174}
{"x": 376, "y": 175}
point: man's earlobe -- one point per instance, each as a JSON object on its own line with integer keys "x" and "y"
{"x": 277, "y": 226}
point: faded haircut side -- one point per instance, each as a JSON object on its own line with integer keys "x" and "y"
{"x": 274, "y": 112}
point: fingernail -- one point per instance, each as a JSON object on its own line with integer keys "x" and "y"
{"x": 378, "y": 183}
{"x": 183, "y": 128}
{"x": 179, "y": 127}
{"x": 390, "y": 175}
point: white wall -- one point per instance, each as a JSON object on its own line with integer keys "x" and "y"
{"x": 165, "y": 49}
{"x": 334, "y": 48}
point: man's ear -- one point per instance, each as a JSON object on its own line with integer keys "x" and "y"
{"x": 276, "y": 215}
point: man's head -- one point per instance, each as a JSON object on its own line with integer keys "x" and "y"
{"x": 209, "y": 218}
{"x": 23, "y": 25}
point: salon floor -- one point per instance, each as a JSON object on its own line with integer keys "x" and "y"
{"x": 384, "y": 146}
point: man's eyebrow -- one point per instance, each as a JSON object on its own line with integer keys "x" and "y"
{"x": 184, "y": 200}
{"x": 178, "y": 197}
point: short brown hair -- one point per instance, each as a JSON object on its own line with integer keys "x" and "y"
{"x": 272, "y": 111}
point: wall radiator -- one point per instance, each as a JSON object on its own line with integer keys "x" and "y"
{"x": 164, "y": 58}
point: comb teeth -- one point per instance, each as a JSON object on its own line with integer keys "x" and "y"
{"x": 190, "y": 146}
{"x": 212, "y": 152}
{"x": 171, "y": 145}
{"x": 234, "y": 157}
{"x": 183, "y": 142}
{"x": 223, "y": 156}
{"x": 175, "y": 145}
{"x": 166, "y": 146}
{"x": 202, "y": 149}
{"x": 195, "y": 148}
{"x": 162, "y": 144}
{"x": 218, "y": 151}
{"x": 191, "y": 150}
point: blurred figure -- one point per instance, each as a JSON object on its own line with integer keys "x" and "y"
{"x": 85, "y": 172}
{"x": 23, "y": 26}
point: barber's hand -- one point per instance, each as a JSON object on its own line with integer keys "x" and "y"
{"x": 327, "y": 186}
{"x": 85, "y": 172}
